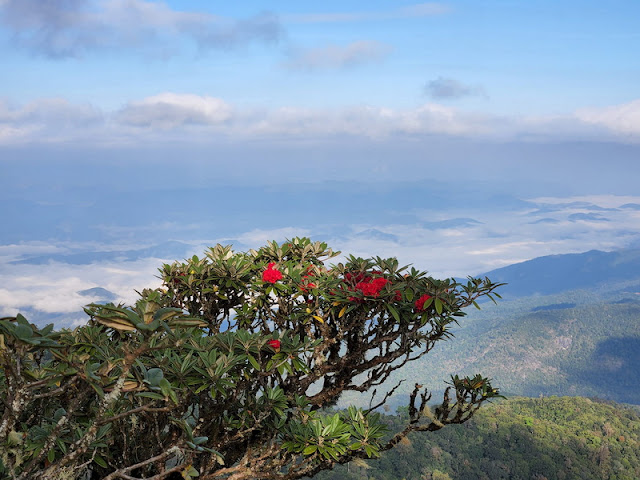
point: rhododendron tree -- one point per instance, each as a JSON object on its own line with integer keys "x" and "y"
{"x": 226, "y": 371}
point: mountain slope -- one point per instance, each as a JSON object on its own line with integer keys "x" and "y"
{"x": 558, "y": 273}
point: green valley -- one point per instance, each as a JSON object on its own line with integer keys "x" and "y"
{"x": 550, "y": 438}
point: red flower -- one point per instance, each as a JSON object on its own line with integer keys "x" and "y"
{"x": 379, "y": 283}
{"x": 271, "y": 274}
{"x": 275, "y": 344}
{"x": 398, "y": 296}
{"x": 372, "y": 287}
{"x": 420, "y": 302}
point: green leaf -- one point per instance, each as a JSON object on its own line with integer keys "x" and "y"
{"x": 253, "y": 362}
{"x": 154, "y": 376}
{"x": 438, "y": 305}
{"x": 165, "y": 387}
{"x": 310, "y": 450}
{"x": 166, "y": 312}
{"x": 394, "y": 312}
{"x": 100, "y": 461}
{"x": 23, "y": 332}
{"x": 200, "y": 440}
{"x": 187, "y": 322}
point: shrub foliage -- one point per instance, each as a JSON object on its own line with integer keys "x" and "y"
{"x": 224, "y": 372}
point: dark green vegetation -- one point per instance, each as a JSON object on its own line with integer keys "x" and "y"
{"x": 555, "y": 438}
{"x": 224, "y": 371}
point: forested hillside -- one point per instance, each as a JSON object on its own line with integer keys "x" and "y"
{"x": 589, "y": 350}
{"x": 552, "y": 438}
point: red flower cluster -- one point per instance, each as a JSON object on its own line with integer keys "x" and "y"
{"x": 275, "y": 344}
{"x": 271, "y": 274}
{"x": 420, "y": 302}
{"x": 369, "y": 286}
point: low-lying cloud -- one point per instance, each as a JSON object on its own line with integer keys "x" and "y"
{"x": 446, "y": 243}
{"x": 621, "y": 119}
{"x": 170, "y": 110}
{"x": 190, "y": 118}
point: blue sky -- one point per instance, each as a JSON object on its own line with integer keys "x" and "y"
{"x": 493, "y": 61}
{"x": 460, "y": 136}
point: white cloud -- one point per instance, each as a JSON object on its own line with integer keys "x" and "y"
{"x": 10, "y": 135}
{"x": 338, "y": 56}
{"x": 9, "y": 253}
{"x": 54, "y": 287}
{"x": 170, "y": 110}
{"x": 47, "y": 118}
{"x": 48, "y": 111}
{"x": 620, "y": 119}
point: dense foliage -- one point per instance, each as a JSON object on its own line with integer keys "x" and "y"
{"x": 551, "y": 438}
{"x": 224, "y": 372}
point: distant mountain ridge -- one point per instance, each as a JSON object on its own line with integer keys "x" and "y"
{"x": 554, "y": 274}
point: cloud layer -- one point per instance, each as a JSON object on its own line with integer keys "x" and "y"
{"x": 190, "y": 118}
{"x": 445, "y": 242}
{"x": 170, "y": 110}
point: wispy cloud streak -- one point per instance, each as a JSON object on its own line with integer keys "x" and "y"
{"x": 411, "y": 11}
{"x": 76, "y": 28}
{"x": 337, "y": 56}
